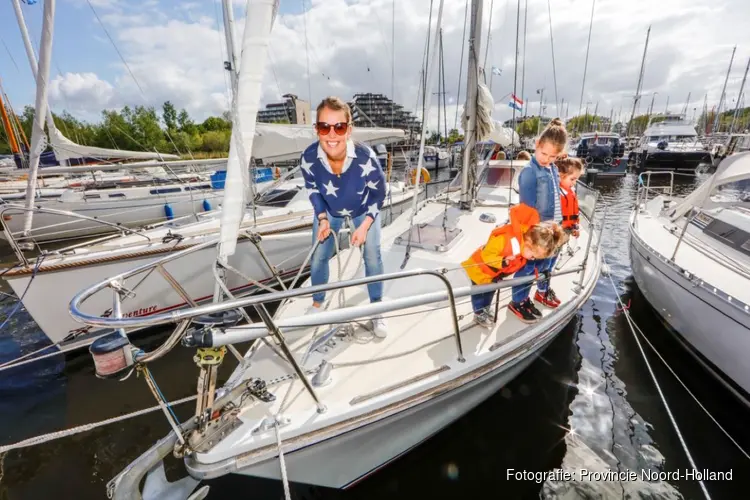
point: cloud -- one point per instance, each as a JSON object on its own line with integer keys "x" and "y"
{"x": 80, "y": 93}
{"x": 345, "y": 46}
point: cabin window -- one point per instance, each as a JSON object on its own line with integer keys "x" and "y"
{"x": 166, "y": 190}
{"x": 729, "y": 235}
{"x": 92, "y": 196}
{"x": 197, "y": 188}
{"x": 278, "y": 197}
{"x": 117, "y": 195}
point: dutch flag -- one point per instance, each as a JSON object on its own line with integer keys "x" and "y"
{"x": 515, "y": 103}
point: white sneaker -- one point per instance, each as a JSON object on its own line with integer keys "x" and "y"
{"x": 484, "y": 319}
{"x": 379, "y": 327}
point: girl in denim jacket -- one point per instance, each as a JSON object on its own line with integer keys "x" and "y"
{"x": 539, "y": 187}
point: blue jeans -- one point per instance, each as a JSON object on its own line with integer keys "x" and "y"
{"x": 521, "y": 292}
{"x": 319, "y": 265}
{"x": 481, "y": 301}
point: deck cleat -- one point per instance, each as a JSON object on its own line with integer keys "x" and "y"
{"x": 258, "y": 389}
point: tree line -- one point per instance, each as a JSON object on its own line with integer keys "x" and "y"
{"x": 140, "y": 128}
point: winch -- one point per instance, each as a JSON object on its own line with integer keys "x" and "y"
{"x": 113, "y": 355}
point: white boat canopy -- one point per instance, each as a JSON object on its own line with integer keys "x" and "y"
{"x": 733, "y": 169}
{"x": 279, "y": 142}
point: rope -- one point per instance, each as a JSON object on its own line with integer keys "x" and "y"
{"x": 282, "y": 462}
{"x": 713, "y": 419}
{"x": 656, "y": 383}
{"x": 86, "y": 427}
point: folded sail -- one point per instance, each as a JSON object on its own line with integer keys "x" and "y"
{"x": 259, "y": 17}
{"x": 67, "y": 151}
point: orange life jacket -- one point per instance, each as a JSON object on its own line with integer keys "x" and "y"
{"x": 569, "y": 208}
{"x": 501, "y": 255}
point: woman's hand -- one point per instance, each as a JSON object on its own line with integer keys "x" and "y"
{"x": 360, "y": 234}
{"x": 324, "y": 229}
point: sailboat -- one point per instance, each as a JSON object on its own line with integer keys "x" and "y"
{"x": 691, "y": 260}
{"x": 313, "y": 391}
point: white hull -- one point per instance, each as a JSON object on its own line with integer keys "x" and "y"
{"x": 59, "y": 279}
{"x": 717, "y": 329}
{"x": 136, "y": 212}
{"x": 339, "y": 462}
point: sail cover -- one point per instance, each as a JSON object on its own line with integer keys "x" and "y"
{"x": 66, "y": 150}
{"x": 259, "y": 19}
{"x": 279, "y": 142}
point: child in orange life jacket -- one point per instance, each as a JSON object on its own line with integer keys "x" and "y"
{"x": 570, "y": 170}
{"x": 506, "y": 251}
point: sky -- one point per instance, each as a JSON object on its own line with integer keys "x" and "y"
{"x": 174, "y": 51}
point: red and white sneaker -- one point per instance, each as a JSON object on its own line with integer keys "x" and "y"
{"x": 547, "y": 299}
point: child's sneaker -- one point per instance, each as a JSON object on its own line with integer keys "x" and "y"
{"x": 548, "y": 298}
{"x": 484, "y": 319}
{"x": 523, "y": 311}
{"x": 536, "y": 312}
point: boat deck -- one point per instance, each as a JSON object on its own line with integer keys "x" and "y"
{"x": 419, "y": 355}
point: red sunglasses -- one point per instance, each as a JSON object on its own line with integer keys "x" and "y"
{"x": 324, "y": 128}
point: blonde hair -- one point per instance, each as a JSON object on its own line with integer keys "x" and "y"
{"x": 335, "y": 104}
{"x": 555, "y": 134}
{"x": 523, "y": 155}
{"x": 547, "y": 236}
{"x": 567, "y": 166}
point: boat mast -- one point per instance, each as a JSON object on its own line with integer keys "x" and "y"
{"x": 31, "y": 56}
{"x": 723, "y": 94}
{"x": 685, "y": 108}
{"x": 8, "y": 127}
{"x": 739, "y": 98}
{"x": 231, "y": 63}
{"x": 586, "y": 60}
{"x": 637, "y": 96}
{"x": 472, "y": 81}
{"x": 37, "y": 131}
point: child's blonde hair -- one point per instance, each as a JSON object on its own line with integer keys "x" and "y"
{"x": 523, "y": 155}
{"x": 555, "y": 134}
{"x": 547, "y": 236}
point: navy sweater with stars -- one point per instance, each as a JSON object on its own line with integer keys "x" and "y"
{"x": 359, "y": 189}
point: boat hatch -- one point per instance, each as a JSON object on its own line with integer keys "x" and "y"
{"x": 432, "y": 235}
{"x": 730, "y": 235}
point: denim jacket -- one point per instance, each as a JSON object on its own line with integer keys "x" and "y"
{"x": 535, "y": 188}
